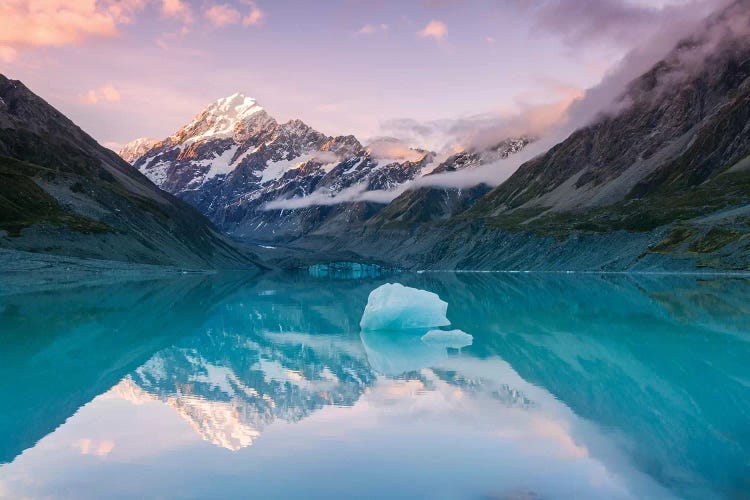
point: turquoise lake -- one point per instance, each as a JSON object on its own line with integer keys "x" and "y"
{"x": 232, "y": 386}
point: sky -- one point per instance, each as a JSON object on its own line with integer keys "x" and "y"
{"x": 431, "y": 72}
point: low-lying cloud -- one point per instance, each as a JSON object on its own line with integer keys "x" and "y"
{"x": 475, "y": 133}
{"x": 393, "y": 149}
{"x": 326, "y": 157}
{"x": 355, "y": 193}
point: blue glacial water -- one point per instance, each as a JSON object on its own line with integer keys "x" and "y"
{"x": 574, "y": 386}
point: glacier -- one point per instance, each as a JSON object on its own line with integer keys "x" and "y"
{"x": 394, "y": 306}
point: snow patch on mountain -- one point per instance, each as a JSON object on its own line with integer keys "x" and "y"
{"x": 127, "y": 390}
{"x": 275, "y": 170}
{"x": 220, "y": 164}
{"x": 157, "y": 172}
{"x": 217, "y": 422}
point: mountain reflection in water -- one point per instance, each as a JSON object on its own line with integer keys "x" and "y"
{"x": 577, "y": 385}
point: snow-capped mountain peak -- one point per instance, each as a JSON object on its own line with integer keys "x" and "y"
{"x": 236, "y": 107}
{"x": 234, "y": 116}
{"x": 242, "y": 169}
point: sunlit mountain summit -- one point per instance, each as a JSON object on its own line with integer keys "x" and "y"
{"x": 261, "y": 180}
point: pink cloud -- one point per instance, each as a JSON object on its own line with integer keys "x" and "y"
{"x": 178, "y": 9}
{"x": 92, "y": 447}
{"x": 371, "y": 29}
{"x": 529, "y": 114}
{"x": 434, "y": 29}
{"x": 125, "y": 10}
{"x": 26, "y": 24}
{"x": 223, "y": 14}
{"x": 255, "y": 16}
{"x": 105, "y": 93}
{"x": 8, "y": 54}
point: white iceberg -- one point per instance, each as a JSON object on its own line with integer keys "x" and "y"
{"x": 455, "y": 339}
{"x": 397, "y": 307}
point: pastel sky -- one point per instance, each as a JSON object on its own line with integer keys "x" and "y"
{"x": 128, "y": 68}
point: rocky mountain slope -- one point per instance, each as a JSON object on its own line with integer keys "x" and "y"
{"x": 675, "y": 157}
{"x": 662, "y": 182}
{"x": 62, "y": 193}
{"x": 682, "y": 123}
{"x": 249, "y": 174}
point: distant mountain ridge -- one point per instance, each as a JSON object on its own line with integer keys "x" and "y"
{"x": 234, "y": 159}
{"x": 135, "y": 149}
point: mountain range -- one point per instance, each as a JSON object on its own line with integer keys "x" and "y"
{"x": 661, "y": 181}
{"x": 234, "y": 162}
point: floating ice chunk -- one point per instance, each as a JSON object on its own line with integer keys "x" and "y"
{"x": 396, "y": 307}
{"x": 454, "y": 339}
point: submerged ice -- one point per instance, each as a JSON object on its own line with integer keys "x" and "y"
{"x": 396, "y": 307}
{"x": 454, "y": 339}
{"x": 394, "y": 353}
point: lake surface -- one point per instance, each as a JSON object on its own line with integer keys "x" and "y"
{"x": 575, "y": 386}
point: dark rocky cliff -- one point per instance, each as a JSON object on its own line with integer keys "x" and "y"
{"x": 63, "y": 193}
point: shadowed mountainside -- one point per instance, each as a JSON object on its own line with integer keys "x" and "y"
{"x": 62, "y": 193}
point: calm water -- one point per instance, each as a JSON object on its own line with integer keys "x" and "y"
{"x": 575, "y": 386}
